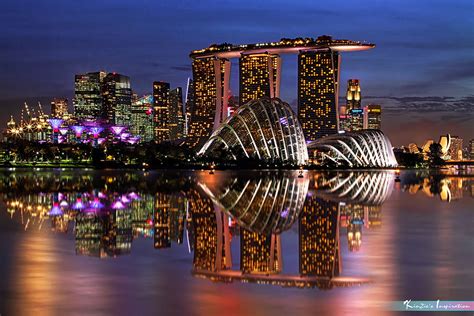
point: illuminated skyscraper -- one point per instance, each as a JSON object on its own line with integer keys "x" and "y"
{"x": 351, "y": 114}
{"x": 318, "y": 90}
{"x": 162, "y": 237}
{"x": 355, "y": 120}
{"x": 117, "y": 96}
{"x": 161, "y": 114}
{"x": 455, "y": 149}
{"x": 260, "y": 253}
{"x": 141, "y": 119}
{"x": 373, "y": 116}
{"x": 88, "y": 101}
{"x": 189, "y": 103}
{"x": 211, "y": 85}
{"x": 59, "y": 108}
{"x": 319, "y": 238}
{"x": 353, "y": 97}
{"x": 260, "y": 67}
{"x": 259, "y": 76}
{"x": 176, "y": 114}
{"x": 211, "y": 235}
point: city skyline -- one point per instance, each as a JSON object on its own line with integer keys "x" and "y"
{"x": 408, "y": 72}
{"x": 236, "y": 156}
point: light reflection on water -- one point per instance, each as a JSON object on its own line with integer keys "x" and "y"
{"x": 175, "y": 237}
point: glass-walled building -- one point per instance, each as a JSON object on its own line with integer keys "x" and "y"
{"x": 88, "y": 101}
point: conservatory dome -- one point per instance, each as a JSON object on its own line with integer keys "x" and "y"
{"x": 265, "y": 129}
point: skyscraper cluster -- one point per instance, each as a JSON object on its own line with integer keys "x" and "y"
{"x": 355, "y": 117}
{"x": 108, "y": 98}
{"x": 166, "y": 115}
{"x": 260, "y": 76}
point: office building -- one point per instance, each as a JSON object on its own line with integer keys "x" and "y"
{"x": 373, "y": 116}
{"x": 353, "y": 96}
{"x": 141, "y": 118}
{"x": 59, "y": 108}
{"x": 161, "y": 114}
{"x": 455, "y": 148}
{"x": 176, "y": 114}
{"x": 355, "y": 120}
{"x": 117, "y": 98}
{"x": 88, "y": 101}
{"x": 351, "y": 114}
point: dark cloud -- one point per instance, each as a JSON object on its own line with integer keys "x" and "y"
{"x": 425, "y": 104}
{"x": 185, "y": 68}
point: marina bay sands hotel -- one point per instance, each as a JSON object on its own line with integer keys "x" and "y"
{"x": 260, "y": 76}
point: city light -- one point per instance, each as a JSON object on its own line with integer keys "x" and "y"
{"x": 78, "y": 130}
{"x": 55, "y": 124}
{"x": 117, "y": 130}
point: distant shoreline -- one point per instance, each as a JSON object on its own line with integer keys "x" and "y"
{"x": 199, "y": 167}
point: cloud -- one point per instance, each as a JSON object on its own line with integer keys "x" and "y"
{"x": 423, "y": 104}
{"x": 185, "y": 68}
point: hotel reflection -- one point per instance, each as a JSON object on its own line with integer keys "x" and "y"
{"x": 209, "y": 215}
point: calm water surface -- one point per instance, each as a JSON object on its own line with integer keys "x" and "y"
{"x": 248, "y": 242}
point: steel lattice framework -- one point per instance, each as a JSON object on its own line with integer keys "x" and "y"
{"x": 367, "y": 188}
{"x": 263, "y": 205}
{"x": 366, "y": 148}
{"x": 266, "y": 129}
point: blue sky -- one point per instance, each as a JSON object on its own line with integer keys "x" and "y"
{"x": 422, "y": 70}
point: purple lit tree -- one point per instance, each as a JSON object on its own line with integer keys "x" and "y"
{"x": 55, "y": 210}
{"x": 78, "y": 130}
{"x": 117, "y": 130}
{"x": 55, "y": 124}
{"x": 133, "y": 140}
{"x": 124, "y": 136}
{"x": 96, "y": 130}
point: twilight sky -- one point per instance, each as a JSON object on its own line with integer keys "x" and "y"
{"x": 421, "y": 72}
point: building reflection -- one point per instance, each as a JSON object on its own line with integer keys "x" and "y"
{"x": 211, "y": 215}
{"x": 211, "y": 236}
{"x": 260, "y": 253}
{"x": 105, "y": 234}
{"x": 319, "y": 238}
{"x": 446, "y": 188}
{"x": 266, "y": 206}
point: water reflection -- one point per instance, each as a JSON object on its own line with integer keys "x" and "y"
{"x": 446, "y": 187}
{"x": 213, "y": 214}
